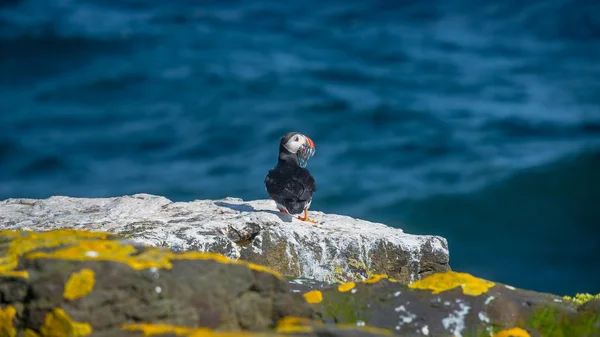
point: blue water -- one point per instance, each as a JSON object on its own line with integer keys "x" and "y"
{"x": 478, "y": 121}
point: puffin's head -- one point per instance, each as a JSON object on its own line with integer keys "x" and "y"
{"x": 300, "y": 145}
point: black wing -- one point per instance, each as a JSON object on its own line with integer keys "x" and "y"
{"x": 295, "y": 184}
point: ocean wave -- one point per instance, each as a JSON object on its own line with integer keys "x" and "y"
{"x": 444, "y": 118}
{"x": 20, "y": 56}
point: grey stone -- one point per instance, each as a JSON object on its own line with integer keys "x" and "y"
{"x": 339, "y": 248}
{"x": 457, "y": 305}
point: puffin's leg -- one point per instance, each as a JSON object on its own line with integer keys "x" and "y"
{"x": 281, "y": 208}
{"x": 305, "y": 218}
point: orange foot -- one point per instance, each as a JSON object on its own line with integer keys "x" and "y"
{"x": 305, "y": 218}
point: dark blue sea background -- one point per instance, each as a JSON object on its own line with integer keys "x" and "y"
{"x": 475, "y": 120}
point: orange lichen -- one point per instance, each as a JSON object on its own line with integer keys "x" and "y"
{"x": 346, "y": 287}
{"x": 59, "y": 324}
{"x": 80, "y": 284}
{"x": 514, "y": 332}
{"x": 314, "y": 296}
{"x": 158, "y": 329}
{"x": 440, "y": 282}
{"x": 7, "y": 316}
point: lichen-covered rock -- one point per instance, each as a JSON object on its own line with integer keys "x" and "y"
{"x": 454, "y": 304}
{"x": 340, "y": 248}
{"x": 286, "y": 327}
{"x": 67, "y": 283}
{"x": 74, "y": 283}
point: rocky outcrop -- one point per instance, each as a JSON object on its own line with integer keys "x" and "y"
{"x": 340, "y": 248}
{"x": 73, "y": 283}
{"x": 454, "y": 304}
{"x": 67, "y": 283}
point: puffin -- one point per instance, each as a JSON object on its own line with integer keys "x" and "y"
{"x": 289, "y": 183}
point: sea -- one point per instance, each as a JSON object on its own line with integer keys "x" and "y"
{"x": 478, "y": 121}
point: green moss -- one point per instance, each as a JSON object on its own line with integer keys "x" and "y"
{"x": 550, "y": 321}
{"x": 340, "y": 308}
{"x": 582, "y": 298}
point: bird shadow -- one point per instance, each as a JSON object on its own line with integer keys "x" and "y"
{"x": 247, "y": 208}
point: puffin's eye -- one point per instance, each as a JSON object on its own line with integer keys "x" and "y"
{"x": 297, "y": 138}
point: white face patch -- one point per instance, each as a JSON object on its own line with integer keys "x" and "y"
{"x": 302, "y": 147}
{"x": 294, "y": 143}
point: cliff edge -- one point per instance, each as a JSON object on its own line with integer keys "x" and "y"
{"x": 338, "y": 249}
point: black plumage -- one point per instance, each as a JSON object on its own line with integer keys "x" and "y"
{"x": 289, "y": 184}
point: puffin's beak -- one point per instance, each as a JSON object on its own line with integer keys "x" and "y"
{"x": 306, "y": 151}
{"x": 310, "y": 142}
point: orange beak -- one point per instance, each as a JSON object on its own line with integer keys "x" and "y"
{"x": 310, "y": 142}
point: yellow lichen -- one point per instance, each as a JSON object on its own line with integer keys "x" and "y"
{"x": 104, "y": 250}
{"x": 15, "y": 273}
{"x": 286, "y": 325}
{"x": 30, "y": 333}
{"x": 7, "y": 316}
{"x": 314, "y": 296}
{"x": 58, "y": 324}
{"x": 291, "y": 324}
{"x": 346, "y": 287}
{"x": 370, "y": 329}
{"x": 195, "y": 255}
{"x": 29, "y": 241}
{"x": 581, "y": 298}
{"x": 293, "y": 320}
{"x": 304, "y": 325}
{"x": 86, "y": 246}
{"x": 8, "y": 264}
{"x": 23, "y": 242}
{"x": 377, "y": 277}
{"x": 162, "y": 329}
{"x": 440, "y": 282}
{"x": 360, "y": 265}
{"x": 80, "y": 284}
{"x": 337, "y": 270}
{"x": 158, "y": 329}
{"x": 204, "y": 332}
{"x": 514, "y": 332}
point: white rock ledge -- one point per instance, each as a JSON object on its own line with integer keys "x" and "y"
{"x": 339, "y": 248}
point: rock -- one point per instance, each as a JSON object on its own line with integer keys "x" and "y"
{"x": 81, "y": 283}
{"x": 454, "y": 304}
{"x": 302, "y": 285}
{"x": 77, "y": 283}
{"x": 340, "y": 248}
